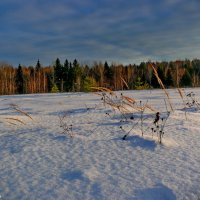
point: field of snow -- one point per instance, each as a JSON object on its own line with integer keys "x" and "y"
{"x": 40, "y": 160}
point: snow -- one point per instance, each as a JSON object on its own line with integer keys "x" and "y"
{"x": 39, "y": 159}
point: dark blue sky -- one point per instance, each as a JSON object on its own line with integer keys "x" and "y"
{"x": 122, "y": 31}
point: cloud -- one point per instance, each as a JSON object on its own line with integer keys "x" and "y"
{"x": 122, "y": 31}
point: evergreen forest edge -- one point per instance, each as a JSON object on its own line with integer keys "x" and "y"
{"x": 76, "y": 77}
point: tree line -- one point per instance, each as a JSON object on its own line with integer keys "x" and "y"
{"x": 76, "y": 77}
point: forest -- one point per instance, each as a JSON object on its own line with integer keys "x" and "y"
{"x": 76, "y": 77}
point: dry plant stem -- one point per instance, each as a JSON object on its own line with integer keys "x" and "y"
{"x": 162, "y": 128}
{"x": 22, "y": 112}
{"x": 125, "y": 136}
{"x": 125, "y": 83}
{"x": 122, "y": 113}
{"x": 152, "y": 132}
{"x": 103, "y": 89}
{"x": 104, "y": 99}
{"x": 141, "y": 116}
{"x": 150, "y": 108}
{"x": 87, "y": 108}
{"x": 108, "y": 115}
{"x": 181, "y": 95}
{"x": 66, "y": 128}
{"x": 162, "y": 86}
{"x": 114, "y": 105}
{"x": 166, "y": 105}
{"x": 12, "y": 123}
{"x": 10, "y": 118}
{"x": 130, "y": 100}
{"x": 194, "y": 100}
{"x": 126, "y": 104}
{"x": 186, "y": 97}
{"x": 191, "y": 101}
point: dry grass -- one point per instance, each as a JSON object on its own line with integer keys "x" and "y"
{"x": 66, "y": 129}
{"x": 15, "y": 119}
{"x": 180, "y": 93}
{"x": 12, "y": 123}
{"x": 130, "y": 100}
{"x": 162, "y": 85}
{"x": 103, "y": 89}
{"x": 182, "y": 97}
{"x": 20, "y": 111}
{"x": 150, "y": 108}
{"x": 125, "y": 105}
{"x": 125, "y": 83}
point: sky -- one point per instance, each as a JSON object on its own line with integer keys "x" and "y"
{"x": 119, "y": 31}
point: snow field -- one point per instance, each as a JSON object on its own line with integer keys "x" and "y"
{"x": 39, "y": 161}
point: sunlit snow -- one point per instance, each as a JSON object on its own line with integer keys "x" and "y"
{"x": 40, "y": 160}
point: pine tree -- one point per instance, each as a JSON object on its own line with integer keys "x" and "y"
{"x": 50, "y": 82}
{"x": 77, "y": 72}
{"x": 38, "y": 76}
{"x": 66, "y": 76}
{"x": 58, "y": 73}
{"x": 54, "y": 89}
{"x": 71, "y": 77}
{"x": 108, "y": 74}
{"x": 19, "y": 80}
{"x": 138, "y": 83}
{"x": 38, "y": 66}
{"x": 88, "y": 83}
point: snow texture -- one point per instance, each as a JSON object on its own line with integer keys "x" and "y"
{"x": 40, "y": 160}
